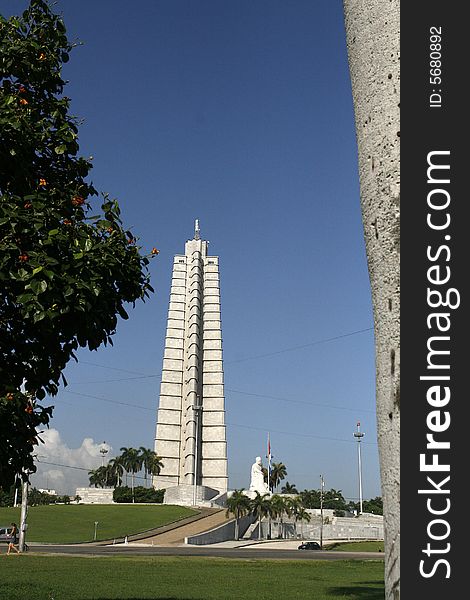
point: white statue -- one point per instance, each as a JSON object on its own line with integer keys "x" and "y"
{"x": 257, "y": 478}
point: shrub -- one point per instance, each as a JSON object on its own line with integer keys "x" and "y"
{"x": 142, "y": 495}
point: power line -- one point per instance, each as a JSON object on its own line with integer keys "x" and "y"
{"x": 108, "y": 400}
{"x": 298, "y": 434}
{"x": 291, "y": 349}
{"x": 299, "y": 401}
{"x": 232, "y": 391}
{"x": 112, "y": 380}
{"x": 323, "y": 341}
{"x": 228, "y": 423}
{"x": 45, "y": 462}
{"x": 84, "y": 362}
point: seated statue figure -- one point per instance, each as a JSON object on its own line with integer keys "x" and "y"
{"x": 257, "y": 478}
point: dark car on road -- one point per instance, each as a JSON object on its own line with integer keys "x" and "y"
{"x": 309, "y": 546}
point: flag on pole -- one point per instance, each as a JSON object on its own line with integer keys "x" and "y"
{"x": 269, "y": 463}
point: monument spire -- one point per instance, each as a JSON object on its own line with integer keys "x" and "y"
{"x": 190, "y": 434}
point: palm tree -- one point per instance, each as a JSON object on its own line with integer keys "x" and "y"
{"x": 334, "y": 499}
{"x": 301, "y": 515}
{"x": 289, "y": 488}
{"x": 97, "y": 477}
{"x": 155, "y": 465}
{"x": 278, "y": 472}
{"x": 132, "y": 462}
{"x": 260, "y": 506}
{"x": 110, "y": 475}
{"x": 238, "y": 504}
{"x": 279, "y": 508}
{"x": 93, "y": 478}
{"x": 146, "y": 458}
{"x": 377, "y": 114}
{"x": 293, "y": 507}
{"x": 117, "y": 469}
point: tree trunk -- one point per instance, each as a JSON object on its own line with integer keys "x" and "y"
{"x": 372, "y": 32}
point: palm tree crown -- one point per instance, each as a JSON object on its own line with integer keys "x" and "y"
{"x": 289, "y": 488}
{"x": 132, "y": 462}
{"x": 238, "y": 504}
{"x": 278, "y": 473}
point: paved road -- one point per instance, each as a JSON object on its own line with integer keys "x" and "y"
{"x": 122, "y": 550}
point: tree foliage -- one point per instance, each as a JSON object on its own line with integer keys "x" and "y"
{"x": 374, "y": 505}
{"x": 278, "y": 473}
{"x": 332, "y": 499}
{"x": 140, "y": 494}
{"x": 239, "y": 505}
{"x": 35, "y": 497}
{"x": 65, "y": 273}
{"x": 289, "y": 488}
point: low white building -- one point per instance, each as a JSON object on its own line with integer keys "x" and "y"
{"x": 90, "y": 495}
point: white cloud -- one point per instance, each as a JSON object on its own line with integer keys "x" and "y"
{"x": 62, "y": 468}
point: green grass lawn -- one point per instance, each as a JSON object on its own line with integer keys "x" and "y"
{"x": 76, "y": 523}
{"x": 357, "y": 546}
{"x": 187, "y": 578}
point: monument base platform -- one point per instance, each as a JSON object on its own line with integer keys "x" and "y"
{"x": 190, "y": 495}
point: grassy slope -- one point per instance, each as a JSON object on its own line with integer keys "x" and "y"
{"x": 188, "y": 578}
{"x": 76, "y": 523}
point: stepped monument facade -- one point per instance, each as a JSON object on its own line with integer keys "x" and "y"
{"x": 190, "y": 433}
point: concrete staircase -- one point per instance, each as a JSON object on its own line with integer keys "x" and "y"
{"x": 249, "y": 533}
{"x": 210, "y": 518}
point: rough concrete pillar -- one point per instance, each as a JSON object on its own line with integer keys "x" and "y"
{"x": 372, "y": 32}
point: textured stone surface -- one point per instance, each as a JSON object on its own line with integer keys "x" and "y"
{"x": 372, "y": 31}
{"x": 95, "y": 495}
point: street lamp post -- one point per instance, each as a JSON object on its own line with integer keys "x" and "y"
{"x": 358, "y": 434}
{"x": 322, "y": 485}
{"x": 197, "y": 408}
{"x": 103, "y": 451}
{"x": 96, "y": 527}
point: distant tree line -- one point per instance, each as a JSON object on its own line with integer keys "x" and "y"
{"x": 277, "y": 507}
{"x": 35, "y": 497}
{"x": 266, "y": 506}
{"x": 332, "y": 499}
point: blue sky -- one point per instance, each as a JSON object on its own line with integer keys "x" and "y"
{"x": 238, "y": 114}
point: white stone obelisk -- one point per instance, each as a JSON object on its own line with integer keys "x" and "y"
{"x": 190, "y": 434}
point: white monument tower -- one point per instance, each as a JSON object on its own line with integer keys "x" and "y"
{"x": 190, "y": 436}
